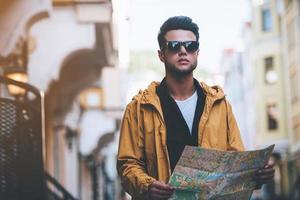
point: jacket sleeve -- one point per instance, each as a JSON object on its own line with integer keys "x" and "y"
{"x": 131, "y": 163}
{"x": 235, "y": 142}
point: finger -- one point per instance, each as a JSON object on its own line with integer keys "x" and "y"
{"x": 160, "y": 192}
{"x": 159, "y": 198}
{"x": 271, "y": 162}
{"x": 261, "y": 182}
{"x": 267, "y": 166}
{"x": 265, "y": 171}
{"x": 264, "y": 178}
{"x": 269, "y": 175}
{"x": 265, "y": 174}
{"x": 162, "y": 186}
{"x": 159, "y": 195}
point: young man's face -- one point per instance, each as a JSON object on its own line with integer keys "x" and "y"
{"x": 181, "y": 62}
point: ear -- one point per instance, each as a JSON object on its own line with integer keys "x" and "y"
{"x": 161, "y": 55}
{"x": 198, "y": 52}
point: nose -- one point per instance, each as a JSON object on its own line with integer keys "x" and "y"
{"x": 182, "y": 50}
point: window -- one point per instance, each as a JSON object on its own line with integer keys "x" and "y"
{"x": 270, "y": 72}
{"x": 266, "y": 20}
{"x": 272, "y": 114}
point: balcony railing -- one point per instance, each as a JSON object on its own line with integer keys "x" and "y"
{"x": 22, "y": 175}
{"x": 56, "y": 191}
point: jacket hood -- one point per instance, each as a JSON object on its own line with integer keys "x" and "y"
{"x": 215, "y": 92}
{"x": 149, "y": 96}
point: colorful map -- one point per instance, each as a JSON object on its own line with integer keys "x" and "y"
{"x": 214, "y": 175}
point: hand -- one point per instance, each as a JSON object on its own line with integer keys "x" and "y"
{"x": 265, "y": 174}
{"x": 160, "y": 190}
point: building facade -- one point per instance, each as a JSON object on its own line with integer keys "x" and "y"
{"x": 291, "y": 34}
{"x": 269, "y": 62}
{"x": 73, "y": 52}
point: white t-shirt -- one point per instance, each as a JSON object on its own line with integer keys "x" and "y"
{"x": 188, "y": 108}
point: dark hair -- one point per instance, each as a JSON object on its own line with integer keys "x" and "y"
{"x": 175, "y": 23}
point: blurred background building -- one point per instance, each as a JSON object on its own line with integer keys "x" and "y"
{"x": 89, "y": 57}
{"x": 71, "y": 51}
{"x": 266, "y": 70}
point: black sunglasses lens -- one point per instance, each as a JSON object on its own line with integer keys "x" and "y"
{"x": 191, "y": 46}
{"x": 173, "y": 46}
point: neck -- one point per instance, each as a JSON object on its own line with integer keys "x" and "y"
{"x": 180, "y": 88}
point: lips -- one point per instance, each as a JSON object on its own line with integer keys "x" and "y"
{"x": 183, "y": 60}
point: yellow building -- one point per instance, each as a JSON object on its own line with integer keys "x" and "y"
{"x": 291, "y": 30}
{"x": 267, "y": 59}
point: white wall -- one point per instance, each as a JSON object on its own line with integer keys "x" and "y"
{"x": 56, "y": 38}
{"x": 93, "y": 125}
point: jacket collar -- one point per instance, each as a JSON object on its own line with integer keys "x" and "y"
{"x": 149, "y": 95}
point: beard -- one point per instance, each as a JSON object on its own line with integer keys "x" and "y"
{"x": 177, "y": 72}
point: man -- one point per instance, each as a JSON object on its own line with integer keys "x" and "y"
{"x": 179, "y": 111}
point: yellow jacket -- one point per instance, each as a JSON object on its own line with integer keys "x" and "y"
{"x": 143, "y": 155}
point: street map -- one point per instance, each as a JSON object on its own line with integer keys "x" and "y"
{"x": 205, "y": 174}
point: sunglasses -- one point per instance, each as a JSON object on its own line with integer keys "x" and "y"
{"x": 175, "y": 46}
